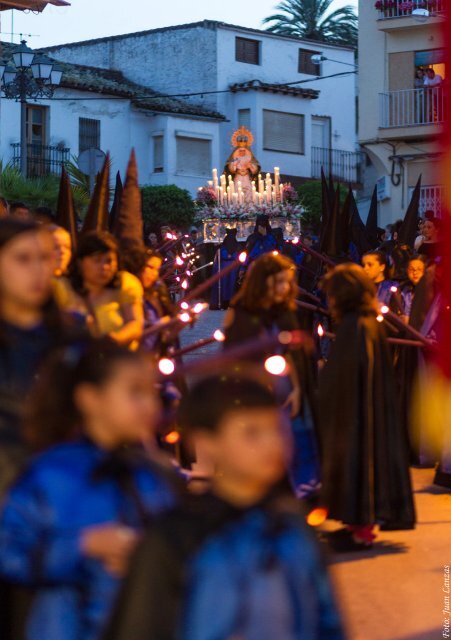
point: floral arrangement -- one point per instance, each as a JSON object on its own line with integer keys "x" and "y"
{"x": 208, "y": 206}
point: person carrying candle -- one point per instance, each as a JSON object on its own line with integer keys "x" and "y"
{"x": 365, "y": 460}
{"x": 266, "y": 305}
{"x": 237, "y": 561}
{"x": 69, "y": 524}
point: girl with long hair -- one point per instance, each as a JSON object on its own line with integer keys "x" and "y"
{"x": 109, "y": 299}
{"x": 376, "y": 266}
{"x": 266, "y": 305}
{"x": 69, "y": 523}
{"x": 365, "y": 471}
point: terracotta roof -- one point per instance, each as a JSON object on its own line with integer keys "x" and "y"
{"x": 286, "y": 89}
{"x": 114, "y": 83}
{"x": 205, "y": 24}
{"x": 32, "y": 5}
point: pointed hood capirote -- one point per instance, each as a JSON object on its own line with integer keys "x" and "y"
{"x": 97, "y": 216}
{"x": 66, "y": 216}
{"x": 115, "y": 207}
{"x": 129, "y": 227}
{"x": 371, "y": 222}
{"x": 409, "y": 228}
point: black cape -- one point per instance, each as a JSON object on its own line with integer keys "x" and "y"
{"x": 366, "y": 476}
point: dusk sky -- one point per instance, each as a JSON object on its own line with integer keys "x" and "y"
{"x": 87, "y": 19}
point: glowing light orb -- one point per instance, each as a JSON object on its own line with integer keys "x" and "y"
{"x": 219, "y": 336}
{"x": 166, "y": 366}
{"x": 276, "y": 365}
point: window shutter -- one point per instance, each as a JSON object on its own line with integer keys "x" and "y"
{"x": 283, "y": 131}
{"x": 158, "y": 154}
{"x": 193, "y": 156}
{"x": 247, "y": 50}
{"x": 244, "y": 118}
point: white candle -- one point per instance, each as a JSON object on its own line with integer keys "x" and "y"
{"x": 276, "y": 177}
{"x": 215, "y": 178}
{"x": 210, "y": 183}
{"x": 281, "y": 192}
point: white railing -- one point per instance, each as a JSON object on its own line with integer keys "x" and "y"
{"x": 412, "y": 107}
{"x": 432, "y": 198}
{"x": 403, "y": 8}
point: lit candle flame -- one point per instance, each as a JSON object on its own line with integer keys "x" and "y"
{"x": 320, "y": 330}
{"x": 184, "y": 305}
{"x": 219, "y": 336}
{"x": 179, "y": 261}
{"x": 185, "y": 317}
{"x": 384, "y": 309}
{"x": 242, "y": 257}
{"x": 276, "y": 365}
{"x": 166, "y": 366}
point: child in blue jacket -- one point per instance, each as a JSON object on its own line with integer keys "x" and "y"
{"x": 69, "y": 524}
{"x": 238, "y": 562}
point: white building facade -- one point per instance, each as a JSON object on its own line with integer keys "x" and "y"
{"x": 301, "y": 118}
{"x": 97, "y": 108}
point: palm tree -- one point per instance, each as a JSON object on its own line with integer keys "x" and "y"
{"x": 314, "y": 20}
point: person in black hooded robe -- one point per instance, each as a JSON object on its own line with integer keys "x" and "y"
{"x": 365, "y": 471}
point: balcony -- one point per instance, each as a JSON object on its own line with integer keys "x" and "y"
{"x": 42, "y": 160}
{"x": 397, "y": 14}
{"x": 344, "y": 166}
{"x": 422, "y": 110}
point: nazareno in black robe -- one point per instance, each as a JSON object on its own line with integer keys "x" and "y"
{"x": 365, "y": 477}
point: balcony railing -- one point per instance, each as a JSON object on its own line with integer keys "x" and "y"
{"x": 432, "y": 198}
{"x": 412, "y": 107}
{"x": 42, "y": 160}
{"x": 404, "y": 8}
{"x": 345, "y": 166}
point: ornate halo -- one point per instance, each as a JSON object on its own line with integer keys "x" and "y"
{"x": 245, "y": 133}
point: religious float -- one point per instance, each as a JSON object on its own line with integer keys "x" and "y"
{"x": 235, "y": 198}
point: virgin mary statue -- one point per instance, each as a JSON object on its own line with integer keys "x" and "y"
{"x": 242, "y": 165}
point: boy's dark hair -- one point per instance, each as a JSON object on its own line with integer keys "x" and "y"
{"x": 52, "y": 416}
{"x": 205, "y": 406}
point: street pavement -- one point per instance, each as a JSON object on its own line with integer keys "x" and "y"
{"x": 396, "y": 590}
{"x": 204, "y": 327}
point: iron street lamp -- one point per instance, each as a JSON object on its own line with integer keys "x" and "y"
{"x": 317, "y": 58}
{"x": 28, "y": 76}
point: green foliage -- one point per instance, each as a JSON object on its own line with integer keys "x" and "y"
{"x": 167, "y": 205}
{"x": 315, "y": 20}
{"x": 36, "y": 192}
{"x": 310, "y": 195}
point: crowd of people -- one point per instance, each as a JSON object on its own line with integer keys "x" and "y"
{"x": 106, "y": 532}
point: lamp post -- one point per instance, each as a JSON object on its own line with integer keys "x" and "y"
{"x": 28, "y": 76}
{"x": 317, "y": 58}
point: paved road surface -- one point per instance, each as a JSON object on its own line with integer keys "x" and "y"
{"x": 395, "y": 591}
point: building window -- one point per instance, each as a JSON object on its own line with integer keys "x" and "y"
{"x": 193, "y": 156}
{"x": 36, "y": 125}
{"x": 283, "y": 132}
{"x": 306, "y": 65}
{"x": 244, "y": 118}
{"x": 88, "y": 134}
{"x": 158, "y": 154}
{"x": 247, "y": 50}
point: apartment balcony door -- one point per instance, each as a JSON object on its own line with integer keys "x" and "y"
{"x": 321, "y": 143}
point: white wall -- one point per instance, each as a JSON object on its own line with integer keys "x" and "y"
{"x": 202, "y": 58}
{"x": 122, "y": 127}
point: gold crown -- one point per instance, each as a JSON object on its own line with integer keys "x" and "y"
{"x": 242, "y": 132}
